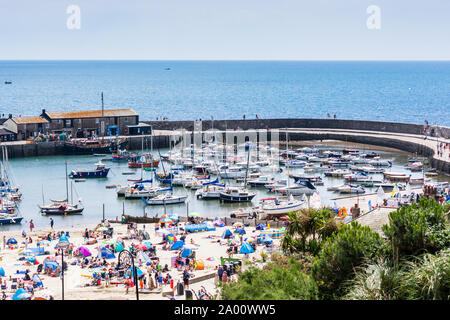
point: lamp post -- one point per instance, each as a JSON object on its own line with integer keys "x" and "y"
{"x": 63, "y": 244}
{"x": 125, "y": 257}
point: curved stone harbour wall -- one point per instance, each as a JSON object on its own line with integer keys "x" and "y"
{"x": 395, "y": 127}
{"x": 163, "y": 141}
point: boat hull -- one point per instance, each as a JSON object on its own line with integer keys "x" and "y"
{"x": 11, "y": 220}
{"x": 234, "y": 198}
{"x": 90, "y": 174}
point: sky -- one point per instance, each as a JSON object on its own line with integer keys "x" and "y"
{"x": 225, "y": 30}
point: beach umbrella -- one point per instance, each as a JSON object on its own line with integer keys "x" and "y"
{"x": 260, "y": 227}
{"x": 173, "y": 216}
{"x": 186, "y": 253}
{"x": 11, "y": 241}
{"x": 190, "y": 246}
{"x": 109, "y": 241}
{"x": 165, "y": 220}
{"x": 240, "y": 231}
{"x": 250, "y": 240}
{"x": 193, "y": 214}
{"x": 2, "y": 272}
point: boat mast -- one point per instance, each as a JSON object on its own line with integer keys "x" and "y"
{"x": 246, "y": 170}
{"x": 67, "y": 185}
{"x": 103, "y": 119}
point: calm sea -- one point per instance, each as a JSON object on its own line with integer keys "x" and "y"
{"x": 390, "y": 91}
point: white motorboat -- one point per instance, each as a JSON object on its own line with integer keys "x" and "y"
{"x": 166, "y": 198}
{"x": 277, "y": 207}
{"x": 236, "y": 194}
{"x": 352, "y": 189}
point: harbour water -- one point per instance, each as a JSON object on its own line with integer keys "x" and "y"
{"x": 45, "y": 177}
{"x": 384, "y": 91}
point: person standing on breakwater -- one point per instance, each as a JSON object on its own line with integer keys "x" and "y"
{"x": 51, "y": 223}
{"x": 243, "y": 117}
{"x": 31, "y": 225}
{"x": 335, "y": 116}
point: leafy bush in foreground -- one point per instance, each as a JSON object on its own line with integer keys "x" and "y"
{"x": 418, "y": 228}
{"x": 273, "y": 282}
{"x": 426, "y": 278}
{"x": 341, "y": 253}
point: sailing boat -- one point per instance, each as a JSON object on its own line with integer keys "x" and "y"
{"x": 62, "y": 207}
{"x": 9, "y": 195}
{"x": 238, "y": 194}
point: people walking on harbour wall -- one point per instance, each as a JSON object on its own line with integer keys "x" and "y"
{"x": 31, "y": 225}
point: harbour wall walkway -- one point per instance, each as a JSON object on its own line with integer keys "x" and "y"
{"x": 401, "y": 136}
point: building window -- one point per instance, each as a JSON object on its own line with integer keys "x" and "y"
{"x": 79, "y": 121}
{"x": 67, "y": 123}
{"x": 126, "y": 119}
{"x": 97, "y": 120}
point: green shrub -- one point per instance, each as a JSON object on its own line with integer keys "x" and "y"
{"x": 341, "y": 253}
{"x": 273, "y": 282}
{"x": 418, "y": 228}
{"x": 428, "y": 277}
{"x": 377, "y": 281}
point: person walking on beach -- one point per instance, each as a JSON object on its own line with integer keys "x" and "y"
{"x": 31, "y": 225}
{"x": 51, "y": 223}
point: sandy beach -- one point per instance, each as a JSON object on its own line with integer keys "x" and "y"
{"x": 210, "y": 247}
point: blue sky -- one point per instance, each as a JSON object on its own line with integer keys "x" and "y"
{"x": 225, "y": 30}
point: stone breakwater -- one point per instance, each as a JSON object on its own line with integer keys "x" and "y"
{"x": 401, "y": 136}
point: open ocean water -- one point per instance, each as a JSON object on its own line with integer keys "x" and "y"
{"x": 387, "y": 91}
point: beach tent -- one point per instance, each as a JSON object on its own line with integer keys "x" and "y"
{"x": 226, "y": 234}
{"x": 173, "y": 217}
{"x": 260, "y": 227}
{"x": 139, "y": 272}
{"x": 106, "y": 253}
{"x": 21, "y": 294}
{"x": 37, "y": 281}
{"x": 2, "y": 272}
{"x": 51, "y": 264}
{"x": 118, "y": 247}
{"x": 11, "y": 241}
{"x": 246, "y": 248}
{"x": 142, "y": 257}
{"x": 177, "y": 245}
{"x": 186, "y": 253}
{"x": 32, "y": 260}
{"x": 240, "y": 231}
{"x": 84, "y": 251}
